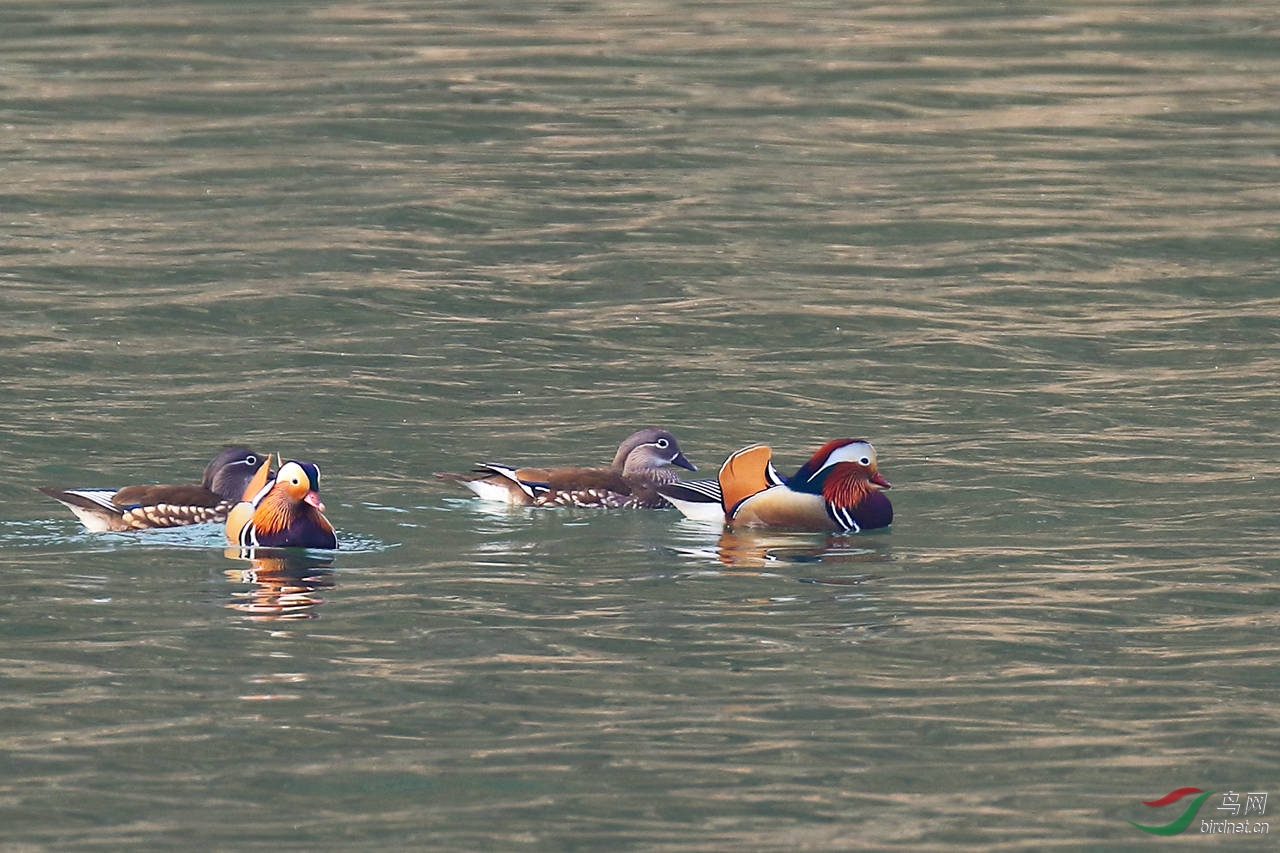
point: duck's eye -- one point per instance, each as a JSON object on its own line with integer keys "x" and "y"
{"x": 864, "y": 462}
{"x": 663, "y": 443}
{"x": 296, "y": 481}
{"x": 251, "y": 460}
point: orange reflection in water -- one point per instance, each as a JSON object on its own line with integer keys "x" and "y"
{"x": 747, "y": 549}
{"x": 282, "y": 582}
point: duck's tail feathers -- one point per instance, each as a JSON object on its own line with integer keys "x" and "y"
{"x": 699, "y": 500}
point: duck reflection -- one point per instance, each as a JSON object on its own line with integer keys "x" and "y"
{"x": 282, "y": 582}
{"x": 755, "y": 549}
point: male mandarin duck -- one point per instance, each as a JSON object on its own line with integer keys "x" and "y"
{"x": 638, "y": 468}
{"x": 838, "y": 489}
{"x": 145, "y": 507}
{"x": 282, "y": 512}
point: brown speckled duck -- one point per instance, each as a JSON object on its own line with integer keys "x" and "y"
{"x": 146, "y": 507}
{"x": 638, "y": 468}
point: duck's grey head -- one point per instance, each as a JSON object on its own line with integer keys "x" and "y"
{"x": 231, "y": 470}
{"x": 649, "y": 449}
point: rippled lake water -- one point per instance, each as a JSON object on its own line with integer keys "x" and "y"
{"x": 1029, "y": 250}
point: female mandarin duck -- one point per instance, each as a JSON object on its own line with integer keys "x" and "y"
{"x": 282, "y": 512}
{"x": 145, "y": 507}
{"x": 638, "y": 468}
{"x": 838, "y": 489}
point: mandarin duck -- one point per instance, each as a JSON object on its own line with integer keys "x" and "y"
{"x": 283, "y": 511}
{"x": 638, "y": 468}
{"x": 146, "y": 507}
{"x": 838, "y": 489}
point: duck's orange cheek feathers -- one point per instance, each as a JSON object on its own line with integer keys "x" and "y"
{"x": 844, "y": 487}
